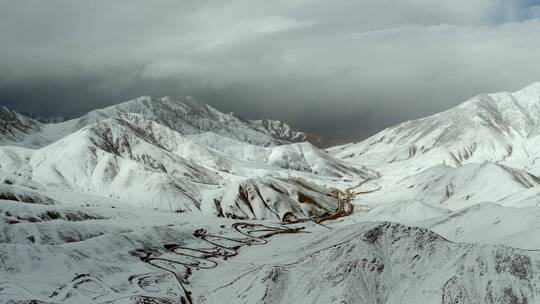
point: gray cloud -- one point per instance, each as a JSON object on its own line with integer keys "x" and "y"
{"x": 342, "y": 68}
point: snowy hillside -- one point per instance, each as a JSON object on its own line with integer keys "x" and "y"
{"x": 16, "y": 127}
{"x": 89, "y": 250}
{"x": 456, "y": 188}
{"x": 137, "y": 160}
{"x": 299, "y": 157}
{"x": 380, "y": 263}
{"x": 185, "y": 115}
{"x": 501, "y": 127}
{"x": 163, "y": 200}
{"x": 279, "y": 130}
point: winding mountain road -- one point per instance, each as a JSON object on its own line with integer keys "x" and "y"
{"x": 225, "y": 247}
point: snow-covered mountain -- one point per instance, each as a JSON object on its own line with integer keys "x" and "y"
{"x": 500, "y": 127}
{"x": 279, "y": 130}
{"x": 15, "y": 127}
{"x": 448, "y": 212}
{"x": 299, "y": 156}
{"x": 464, "y": 186}
{"x": 45, "y": 119}
{"x": 184, "y": 114}
{"x": 188, "y": 116}
{"x": 137, "y": 160}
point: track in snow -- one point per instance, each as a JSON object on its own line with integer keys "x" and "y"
{"x": 252, "y": 234}
{"x": 220, "y": 248}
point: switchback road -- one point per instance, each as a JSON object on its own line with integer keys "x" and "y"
{"x": 221, "y": 247}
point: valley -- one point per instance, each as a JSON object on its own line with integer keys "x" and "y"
{"x": 168, "y": 200}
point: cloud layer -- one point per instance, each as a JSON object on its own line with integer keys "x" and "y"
{"x": 342, "y": 68}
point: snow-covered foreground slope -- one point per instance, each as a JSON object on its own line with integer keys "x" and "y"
{"x": 88, "y": 251}
{"x": 486, "y": 223}
{"x": 376, "y": 263}
{"x": 491, "y": 223}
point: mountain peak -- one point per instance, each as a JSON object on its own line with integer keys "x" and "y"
{"x": 187, "y": 102}
{"x": 184, "y": 114}
{"x": 533, "y": 86}
{"x": 525, "y": 98}
{"x": 530, "y": 94}
{"x": 488, "y": 127}
{"x": 14, "y": 126}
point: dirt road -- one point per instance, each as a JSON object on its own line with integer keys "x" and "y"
{"x": 222, "y": 248}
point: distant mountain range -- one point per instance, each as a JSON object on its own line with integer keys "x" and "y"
{"x": 185, "y": 115}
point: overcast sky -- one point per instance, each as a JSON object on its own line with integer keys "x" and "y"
{"x": 342, "y": 68}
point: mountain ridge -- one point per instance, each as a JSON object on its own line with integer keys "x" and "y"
{"x": 137, "y": 160}
{"x": 184, "y": 114}
{"x": 498, "y": 127}
{"x": 91, "y": 208}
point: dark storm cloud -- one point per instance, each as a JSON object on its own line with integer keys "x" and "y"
{"x": 343, "y": 68}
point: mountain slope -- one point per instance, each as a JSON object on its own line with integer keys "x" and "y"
{"x": 464, "y": 186}
{"x": 16, "y": 127}
{"x": 490, "y": 223}
{"x": 279, "y": 130}
{"x": 500, "y": 127}
{"x": 87, "y": 209}
{"x": 302, "y": 157}
{"x": 453, "y": 188}
{"x": 139, "y": 161}
{"x": 184, "y": 115}
{"x": 379, "y": 263}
